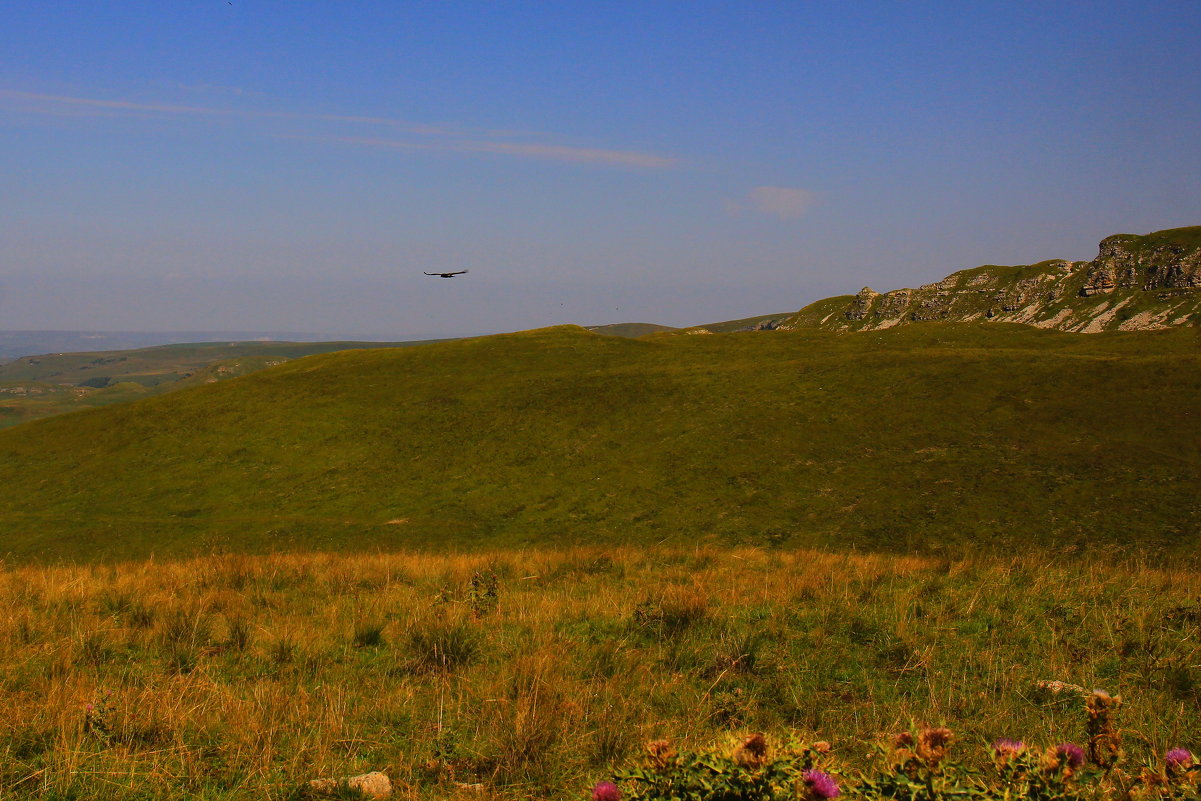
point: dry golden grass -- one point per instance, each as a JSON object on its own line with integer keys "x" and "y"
{"x": 237, "y": 676}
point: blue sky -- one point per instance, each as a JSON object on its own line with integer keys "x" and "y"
{"x": 296, "y": 166}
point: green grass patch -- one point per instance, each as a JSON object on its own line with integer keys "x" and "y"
{"x": 937, "y": 437}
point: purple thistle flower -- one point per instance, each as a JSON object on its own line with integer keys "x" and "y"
{"x": 1007, "y": 746}
{"x": 1179, "y": 759}
{"x": 821, "y": 785}
{"x": 1070, "y": 753}
{"x": 606, "y": 791}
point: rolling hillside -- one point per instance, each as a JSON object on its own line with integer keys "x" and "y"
{"x": 32, "y": 387}
{"x": 929, "y": 437}
{"x": 39, "y": 386}
{"x": 1135, "y": 283}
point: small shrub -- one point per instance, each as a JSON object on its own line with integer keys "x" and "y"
{"x": 94, "y": 649}
{"x": 441, "y": 645}
{"x": 240, "y": 634}
{"x": 750, "y": 772}
{"x": 446, "y": 758}
{"x": 368, "y": 634}
{"x": 184, "y": 635}
{"x": 729, "y": 708}
{"x": 97, "y": 716}
{"x": 605, "y": 660}
{"x": 114, "y": 604}
{"x": 27, "y": 743}
{"x": 672, "y": 611}
{"x": 738, "y": 652}
{"x": 26, "y": 633}
{"x": 282, "y": 652}
{"x": 611, "y": 742}
{"x": 483, "y": 596}
{"x": 141, "y": 616}
{"x": 310, "y": 665}
{"x": 917, "y": 767}
{"x": 185, "y": 628}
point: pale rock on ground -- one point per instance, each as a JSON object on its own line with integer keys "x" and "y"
{"x": 371, "y": 785}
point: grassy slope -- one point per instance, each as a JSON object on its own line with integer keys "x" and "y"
{"x": 913, "y": 437}
{"x": 742, "y": 324}
{"x": 33, "y": 387}
{"x": 629, "y": 329}
{"x": 1189, "y": 238}
{"x": 820, "y": 311}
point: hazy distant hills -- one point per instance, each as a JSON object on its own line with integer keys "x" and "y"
{"x": 762, "y": 322}
{"x": 40, "y": 386}
{"x": 50, "y": 383}
{"x": 1136, "y": 283}
{"x": 943, "y": 435}
{"x": 14, "y": 344}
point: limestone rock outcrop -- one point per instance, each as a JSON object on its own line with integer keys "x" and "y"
{"x": 1134, "y": 283}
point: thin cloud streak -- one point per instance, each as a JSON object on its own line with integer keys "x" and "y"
{"x": 567, "y": 153}
{"x": 209, "y": 111}
{"x": 31, "y": 102}
{"x": 116, "y": 105}
{"x": 217, "y": 89}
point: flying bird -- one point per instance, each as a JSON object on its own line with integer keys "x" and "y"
{"x": 447, "y": 275}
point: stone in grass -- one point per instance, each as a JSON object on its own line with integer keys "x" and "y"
{"x": 368, "y": 785}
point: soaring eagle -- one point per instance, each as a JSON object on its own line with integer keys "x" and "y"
{"x": 447, "y": 275}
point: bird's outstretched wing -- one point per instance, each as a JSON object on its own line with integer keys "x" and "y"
{"x": 447, "y": 275}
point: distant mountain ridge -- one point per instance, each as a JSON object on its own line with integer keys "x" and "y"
{"x": 1135, "y": 283}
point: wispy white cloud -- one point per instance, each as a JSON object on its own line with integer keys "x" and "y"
{"x": 33, "y": 102}
{"x": 434, "y": 137}
{"x": 217, "y": 89}
{"x": 784, "y": 202}
{"x": 579, "y": 155}
{"x": 41, "y": 103}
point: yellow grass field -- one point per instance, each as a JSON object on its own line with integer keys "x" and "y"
{"x": 535, "y": 673}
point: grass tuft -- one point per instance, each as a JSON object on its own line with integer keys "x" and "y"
{"x": 441, "y": 643}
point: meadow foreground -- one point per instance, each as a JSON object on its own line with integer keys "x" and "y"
{"x": 538, "y": 673}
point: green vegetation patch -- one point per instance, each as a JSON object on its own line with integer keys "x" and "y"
{"x": 937, "y": 437}
{"x": 1175, "y": 238}
{"x": 34, "y": 387}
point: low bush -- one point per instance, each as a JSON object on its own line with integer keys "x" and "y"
{"x": 916, "y": 766}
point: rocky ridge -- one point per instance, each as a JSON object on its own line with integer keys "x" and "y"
{"x": 1134, "y": 283}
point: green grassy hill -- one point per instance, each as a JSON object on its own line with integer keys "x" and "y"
{"x": 629, "y": 329}
{"x": 760, "y": 322}
{"x": 918, "y": 437}
{"x": 33, "y": 387}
